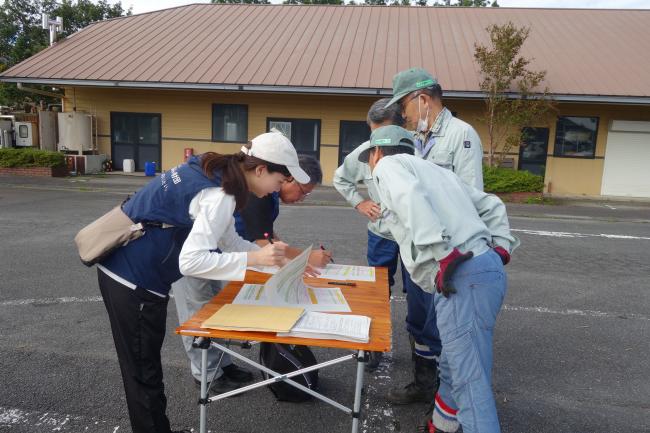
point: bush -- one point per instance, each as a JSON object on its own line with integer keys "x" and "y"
{"x": 30, "y": 158}
{"x": 508, "y": 180}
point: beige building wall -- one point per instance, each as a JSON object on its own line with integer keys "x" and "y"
{"x": 186, "y": 117}
{"x": 187, "y": 122}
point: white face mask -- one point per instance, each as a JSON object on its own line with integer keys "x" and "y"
{"x": 423, "y": 124}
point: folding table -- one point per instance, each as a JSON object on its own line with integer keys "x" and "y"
{"x": 366, "y": 298}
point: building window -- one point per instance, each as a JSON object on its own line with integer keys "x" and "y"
{"x": 576, "y": 137}
{"x": 351, "y": 135}
{"x": 230, "y": 123}
{"x": 303, "y": 133}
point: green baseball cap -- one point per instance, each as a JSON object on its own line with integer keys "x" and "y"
{"x": 387, "y": 136}
{"x": 408, "y": 81}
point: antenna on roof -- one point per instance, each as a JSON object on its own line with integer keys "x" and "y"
{"x": 53, "y": 26}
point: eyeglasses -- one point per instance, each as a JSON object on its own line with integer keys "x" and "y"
{"x": 405, "y": 101}
{"x": 302, "y": 190}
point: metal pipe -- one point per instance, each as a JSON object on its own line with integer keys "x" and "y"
{"x": 357, "y": 392}
{"x": 39, "y": 91}
{"x": 204, "y": 390}
{"x": 277, "y": 376}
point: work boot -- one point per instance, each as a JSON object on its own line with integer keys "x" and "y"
{"x": 424, "y": 386}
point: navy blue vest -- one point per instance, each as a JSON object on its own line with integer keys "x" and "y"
{"x": 151, "y": 262}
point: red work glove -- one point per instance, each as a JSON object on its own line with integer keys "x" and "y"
{"x": 504, "y": 254}
{"x": 448, "y": 266}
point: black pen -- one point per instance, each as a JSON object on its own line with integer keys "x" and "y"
{"x": 268, "y": 238}
{"x": 342, "y": 284}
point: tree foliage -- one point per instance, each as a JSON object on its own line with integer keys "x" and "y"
{"x": 21, "y": 34}
{"x": 514, "y": 99}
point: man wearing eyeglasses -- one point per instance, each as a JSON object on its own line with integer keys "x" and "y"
{"x": 448, "y": 142}
{"x": 439, "y": 136}
{"x": 258, "y": 216}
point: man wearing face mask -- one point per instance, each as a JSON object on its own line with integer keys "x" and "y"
{"x": 439, "y": 136}
{"x": 453, "y": 144}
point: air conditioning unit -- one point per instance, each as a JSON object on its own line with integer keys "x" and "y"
{"x": 25, "y": 134}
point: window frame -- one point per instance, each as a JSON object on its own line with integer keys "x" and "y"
{"x": 214, "y": 138}
{"x": 340, "y": 150}
{"x": 557, "y": 154}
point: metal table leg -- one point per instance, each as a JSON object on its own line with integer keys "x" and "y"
{"x": 204, "y": 389}
{"x": 356, "y": 410}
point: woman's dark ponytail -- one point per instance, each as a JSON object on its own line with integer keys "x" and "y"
{"x": 233, "y": 180}
{"x": 232, "y": 169}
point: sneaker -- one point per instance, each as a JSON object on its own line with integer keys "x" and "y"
{"x": 237, "y": 374}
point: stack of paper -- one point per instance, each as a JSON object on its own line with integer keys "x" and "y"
{"x": 345, "y": 327}
{"x": 287, "y": 288}
{"x": 254, "y": 318}
{"x": 347, "y": 272}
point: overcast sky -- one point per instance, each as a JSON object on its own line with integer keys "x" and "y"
{"x": 140, "y": 6}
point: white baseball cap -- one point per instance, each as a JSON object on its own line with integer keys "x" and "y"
{"x": 276, "y": 148}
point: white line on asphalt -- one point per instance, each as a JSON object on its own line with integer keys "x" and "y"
{"x": 46, "y": 301}
{"x": 572, "y": 312}
{"x": 577, "y": 235}
{"x": 46, "y": 421}
{"x": 567, "y": 312}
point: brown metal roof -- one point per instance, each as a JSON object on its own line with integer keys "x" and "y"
{"x": 354, "y": 49}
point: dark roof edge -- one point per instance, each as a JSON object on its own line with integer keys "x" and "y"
{"x": 352, "y": 91}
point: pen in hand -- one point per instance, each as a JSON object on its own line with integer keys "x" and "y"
{"x": 323, "y": 248}
{"x": 268, "y": 238}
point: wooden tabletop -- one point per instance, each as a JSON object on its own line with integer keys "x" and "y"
{"x": 366, "y": 299}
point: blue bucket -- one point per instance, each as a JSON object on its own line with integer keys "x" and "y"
{"x": 149, "y": 168}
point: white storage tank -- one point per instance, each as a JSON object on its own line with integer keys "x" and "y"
{"x": 75, "y": 131}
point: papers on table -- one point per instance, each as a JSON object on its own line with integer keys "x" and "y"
{"x": 253, "y": 318}
{"x": 347, "y": 272}
{"x": 332, "y": 272}
{"x": 287, "y": 288}
{"x": 331, "y": 327}
{"x": 309, "y": 298}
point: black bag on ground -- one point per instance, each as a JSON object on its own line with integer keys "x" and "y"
{"x": 285, "y": 358}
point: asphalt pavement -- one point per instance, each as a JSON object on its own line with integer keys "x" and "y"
{"x": 571, "y": 343}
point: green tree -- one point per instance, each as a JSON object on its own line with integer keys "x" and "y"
{"x": 513, "y": 99}
{"x": 255, "y": 2}
{"x": 21, "y": 35}
{"x": 313, "y": 2}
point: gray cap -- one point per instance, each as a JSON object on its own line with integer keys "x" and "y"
{"x": 387, "y": 136}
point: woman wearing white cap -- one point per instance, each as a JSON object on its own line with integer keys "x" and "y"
{"x": 190, "y": 231}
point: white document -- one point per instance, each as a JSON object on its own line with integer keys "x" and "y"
{"x": 311, "y": 299}
{"x": 331, "y": 326}
{"x": 287, "y": 288}
{"x": 347, "y": 272}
